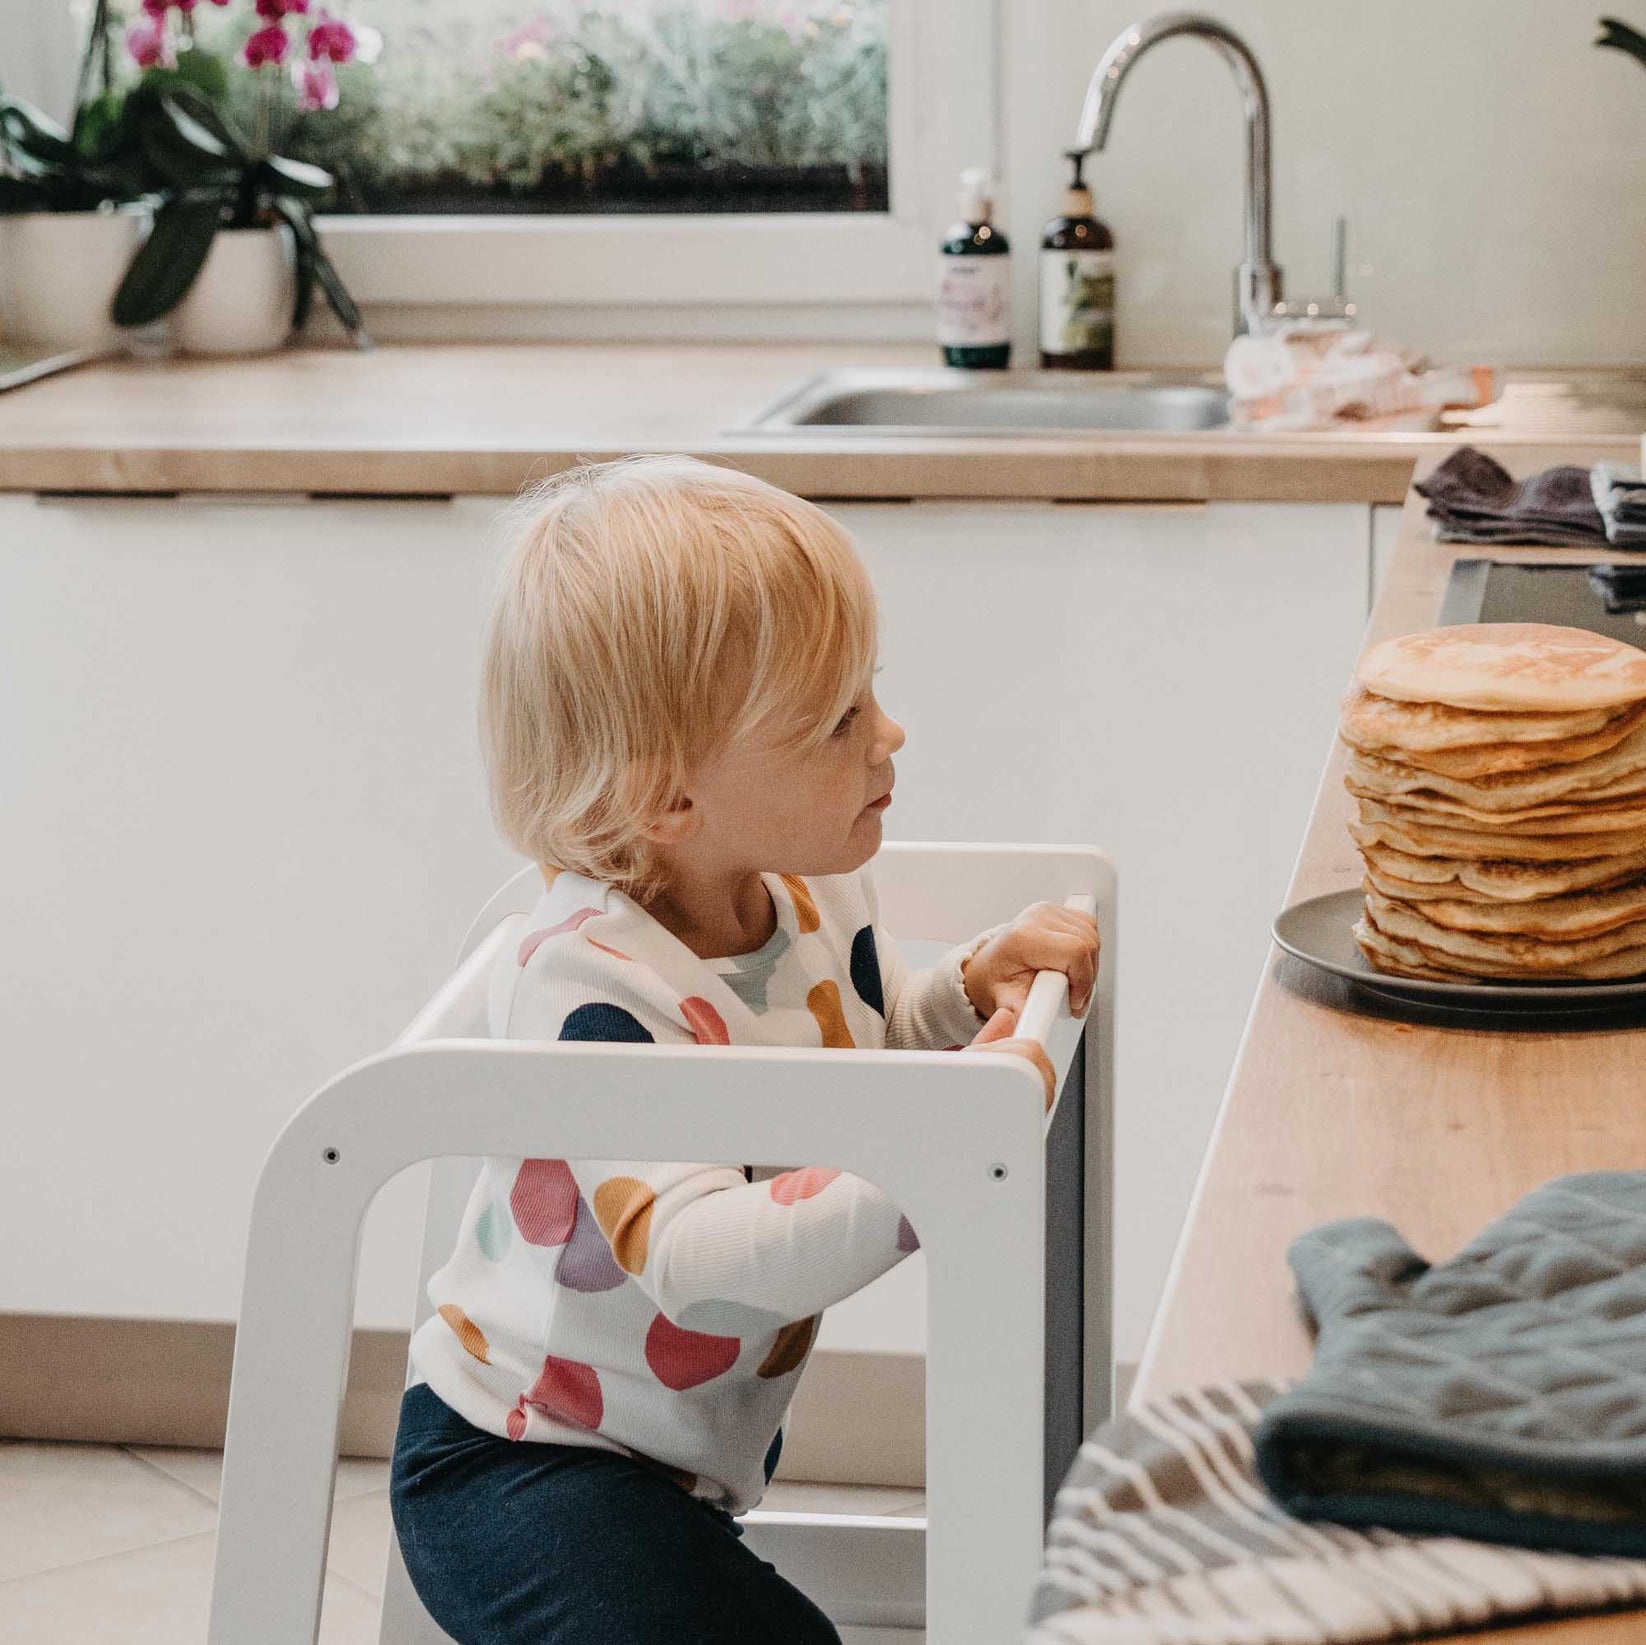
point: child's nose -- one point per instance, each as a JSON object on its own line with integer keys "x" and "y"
{"x": 891, "y": 737}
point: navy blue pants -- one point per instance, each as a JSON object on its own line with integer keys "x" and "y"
{"x": 523, "y": 1543}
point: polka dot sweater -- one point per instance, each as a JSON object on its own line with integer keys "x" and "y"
{"x": 667, "y": 1311}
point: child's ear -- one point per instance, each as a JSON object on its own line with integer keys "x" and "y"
{"x": 675, "y": 825}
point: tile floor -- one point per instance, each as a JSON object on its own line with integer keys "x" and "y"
{"x": 108, "y": 1543}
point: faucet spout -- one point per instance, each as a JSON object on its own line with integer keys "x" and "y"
{"x": 1258, "y": 280}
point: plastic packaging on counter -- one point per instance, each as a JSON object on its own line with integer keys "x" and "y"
{"x": 1326, "y": 374}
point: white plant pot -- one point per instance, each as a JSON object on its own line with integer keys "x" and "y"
{"x": 59, "y": 271}
{"x": 241, "y": 300}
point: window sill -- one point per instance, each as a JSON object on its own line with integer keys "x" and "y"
{"x": 662, "y": 260}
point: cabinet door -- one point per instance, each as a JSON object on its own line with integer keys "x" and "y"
{"x": 1160, "y": 681}
{"x": 244, "y": 830}
{"x": 1386, "y": 518}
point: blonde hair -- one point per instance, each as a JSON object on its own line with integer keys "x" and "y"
{"x": 652, "y": 611}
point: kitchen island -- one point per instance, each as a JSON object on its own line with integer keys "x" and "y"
{"x": 241, "y": 603}
{"x": 1339, "y": 1106}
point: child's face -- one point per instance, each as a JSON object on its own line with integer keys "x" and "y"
{"x": 812, "y": 812}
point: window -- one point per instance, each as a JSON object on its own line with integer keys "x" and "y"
{"x": 605, "y": 106}
{"x": 867, "y": 256}
{"x": 633, "y": 160}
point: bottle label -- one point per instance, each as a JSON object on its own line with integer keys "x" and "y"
{"x": 1076, "y": 301}
{"x": 974, "y": 301}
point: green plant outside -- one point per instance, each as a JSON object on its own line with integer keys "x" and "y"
{"x": 511, "y": 105}
{"x": 500, "y": 105}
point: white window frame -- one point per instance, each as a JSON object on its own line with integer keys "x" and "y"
{"x": 942, "y": 115}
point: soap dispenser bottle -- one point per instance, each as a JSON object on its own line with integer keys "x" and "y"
{"x": 1077, "y": 283}
{"x": 974, "y": 291}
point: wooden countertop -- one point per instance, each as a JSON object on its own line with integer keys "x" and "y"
{"x": 1335, "y": 1109}
{"x": 410, "y": 420}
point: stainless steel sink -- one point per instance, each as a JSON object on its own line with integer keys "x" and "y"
{"x": 910, "y": 401}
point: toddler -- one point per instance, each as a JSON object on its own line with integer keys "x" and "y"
{"x": 680, "y": 727}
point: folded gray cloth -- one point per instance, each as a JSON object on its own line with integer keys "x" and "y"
{"x": 1501, "y": 1395}
{"x": 1482, "y": 531}
{"x": 1161, "y": 1536}
{"x": 1474, "y": 499}
{"x": 1620, "y": 495}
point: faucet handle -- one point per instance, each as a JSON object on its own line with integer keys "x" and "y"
{"x": 1339, "y": 306}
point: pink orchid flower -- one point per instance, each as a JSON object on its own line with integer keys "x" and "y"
{"x": 271, "y": 11}
{"x": 267, "y": 45}
{"x": 332, "y": 38}
{"x": 316, "y": 85}
{"x": 147, "y": 45}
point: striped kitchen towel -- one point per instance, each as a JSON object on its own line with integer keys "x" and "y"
{"x": 1161, "y": 1535}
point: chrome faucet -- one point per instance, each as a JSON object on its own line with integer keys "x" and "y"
{"x": 1257, "y": 280}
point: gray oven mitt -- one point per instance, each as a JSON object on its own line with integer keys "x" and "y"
{"x": 1500, "y": 1396}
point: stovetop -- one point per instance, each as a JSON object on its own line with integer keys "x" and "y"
{"x": 1492, "y": 591}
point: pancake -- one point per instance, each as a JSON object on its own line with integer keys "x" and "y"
{"x": 1399, "y": 958}
{"x": 1410, "y": 959}
{"x": 1520, "y": 668}
{"x": 1498, "y": 881}
{"x": 1522, "y": 955}
{"x": 1370, "y": 721}
{"x": 1620, "y": 769}
{"x": 1627, "y": 811}
{"x": 1599, "y": 820}
{"x": 1423, "y": 890}
{"x": 1492, "y": 759}
{"x": 1456, "y": 843}
{"x": 1499, "y": 773}
{"x": 1549, "y": 919}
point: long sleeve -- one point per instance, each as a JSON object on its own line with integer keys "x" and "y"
{"x": 715, "y": 1252}
{"x": 926, "y": 1008}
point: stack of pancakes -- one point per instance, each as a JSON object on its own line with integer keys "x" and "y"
{"x": 1500, "y": 772}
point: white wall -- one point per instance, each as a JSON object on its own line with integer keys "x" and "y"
{"x": 1490, "y": 161}
{"x": 39, "y": 45}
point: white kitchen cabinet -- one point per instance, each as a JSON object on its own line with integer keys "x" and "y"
{"x": 244, "y": 827}
{"x": 1158, "y": 680}
{"x": 1386, "y": 518}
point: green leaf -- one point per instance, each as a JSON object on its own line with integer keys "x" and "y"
{"x": 98, "y": 125}
{"x": 211, "y": 113}
{"x": 342, "y": 304}
{"x": 23, "y": 123}
{"x": 330, "y": 281}
{"x": 168, "y": 261}
{"x": 298, "y": 178}
{"x": 183, "y": 136}
{"x": 184, "y": 153}
{"x": 1619, "y": 36}
{"x": 207, "y": 73}
{"x": 23, "y": 194}
{"x": 302, "y": 228}
{"x": 28, "y": 135}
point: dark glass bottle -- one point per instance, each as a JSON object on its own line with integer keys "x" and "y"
{"x": 974, "y": 305}
{"x": 1077, "y": 284}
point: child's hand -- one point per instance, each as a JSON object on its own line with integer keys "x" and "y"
{"x": 1045, "y": 937}
{"x": 995, "y": 1035}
